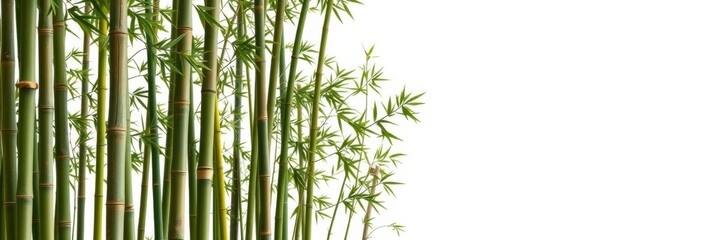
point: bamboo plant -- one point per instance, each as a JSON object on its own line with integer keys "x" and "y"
{"x": 8, "y": 125}
{"x": 83, "y": 151}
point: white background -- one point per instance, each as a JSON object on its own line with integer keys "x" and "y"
{"x": 555, "y": 119}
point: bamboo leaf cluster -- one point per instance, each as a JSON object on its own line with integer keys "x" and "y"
{"x": 203, "y": 106}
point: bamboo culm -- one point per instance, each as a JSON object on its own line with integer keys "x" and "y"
{"x": 82, "y": 158}
{"x": 62, "y": 132}
{"x": 101, "y": 126}
{"x": 117, "y": 120}
{"x": 176, "y": 225}
{"x": 8, "y": 127}
{"x": 314, "y": 125}
{"x": 26, "y": 121}
{"x": 45, "y": 124}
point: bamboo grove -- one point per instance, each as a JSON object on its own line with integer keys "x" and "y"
{"x": 182, "y": 119}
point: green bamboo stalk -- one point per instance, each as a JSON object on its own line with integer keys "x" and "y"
{"x": 129, "y": 224}
{"x": 2, "y": 186}
{"x": 192, "y": 165}
{"x": 26, "y": 121}
{"x": 274, "y": 67}
{"x": 261, "y": 117}
{"x": 208, "y": 104}
{"x": 169, "y": 133}
{"x": 300, "y": 215}
{"x": 235, "y": 212}
{"x": 252, "y": 183}
{"x": 62, "y": 132}
{"x": 314, "y": 124}
{"x": 283, "y": 91}
{"x": 8, "y": 126}
{"x": 337, "y": 204}
{"x": 284, "y": 118}
{"x": 117, "y": 120}
{"x": 36, "y": 191}
{"x": 45, "y": 112}
{"x": 82, "y": 158}
{"x": 219, "y": 186}
{"x": 153, "y": 121}
{"x": 101, "y": 124}
{"x": 180, "y": 123}
{"x": 144, "y": 189}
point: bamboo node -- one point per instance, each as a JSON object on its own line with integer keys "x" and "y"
{"x": 114, "y": 203}
{"x": 205, "y": 173}
{"x": 116, "y": 129}
{"x": 118, "y": 32}
{"x": 59, "y": 23}
{"x": 46, "y": 106}
{"x": 9, "y": 203}
{"x": 26, "y": 84}
{"x": 45, "y": 30}
{"x": 208, "y": 91}
{"x": 178, "y": 172}
{"x": 24, "y": 197}
{"x": 63, "y": 224}
{"x": 181, "y": 103}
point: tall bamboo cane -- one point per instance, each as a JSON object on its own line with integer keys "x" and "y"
{"x": 235, "y": 216}
{"x": 285, "y": 121}
{"x": 101, "y": 124}
{"x": 117, "y": 120}
{"x": 297, "y": 43}
{"x": 192, "y": 165}
{"x": 208, "y": 105}
{"x": 144, "y": 190}
{"x": 2, "y": 186}
{"x": 82, "y": 158}
{"x": 45, "y": 112}
{"x": 8, "y": 125}
{"x": 26, "y": 121}
{"x": 314, "y": 124}
{"x": 153, "y": 121}
{"x": 180, "y": 123}
{"x": 36, "y": 191}
{"x": 300, "y": 216}
{"x": 261, "y": 115}
{"x": 62, "y": 142}
{"x": 129, "y": 220}
{"x": 169, "y": 133}
{"x": 219, "y": 185}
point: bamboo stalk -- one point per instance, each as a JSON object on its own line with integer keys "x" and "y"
{"x": 45, "y": 124}
{"x": 314, "y": 125}
{"x": 219, "y": 185}
{"x": 235, "y": 216}
{"x": 153, "y": 121}
{"x": 261, "y": 115}
{"x": 252, "y": 183}
{"x": 192, "y": 165}
{"x": 62, "y": 132}
{"x": 176, "y": 225}
{"x": 291, "y": 80}
{"x": 26, "y": 121}
{"x": 144, "y": 190}
{"x": 129, "y": 224}
{"x": 337, "y": 204}
{"x": 82, "y": 158}
{"x": 36, "y": 191}
{"x": 169, "y": 131}
{"x": 8, "y": 126}
{"x": 117, "y": 120}
{"x": 101, "y": 124}
{"x": 284, "y": 118}
{"x": 2, "y": 186}
{"x": 298, "y": 229}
